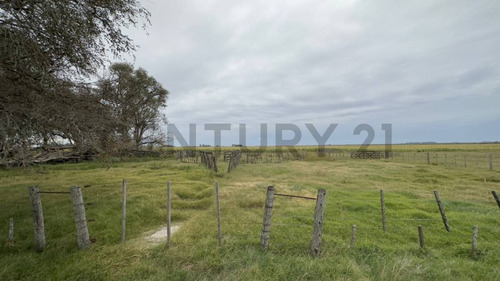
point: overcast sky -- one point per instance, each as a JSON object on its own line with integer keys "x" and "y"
{"x": 429, "y": 68}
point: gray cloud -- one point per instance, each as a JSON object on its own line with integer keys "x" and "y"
{"x": 326, "y": 61}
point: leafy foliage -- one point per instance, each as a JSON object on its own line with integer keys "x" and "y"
{"x": 47, "y": 48}
{"x": 136, "y": 99}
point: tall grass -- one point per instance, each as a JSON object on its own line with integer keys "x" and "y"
{"x": 352, "y": 198}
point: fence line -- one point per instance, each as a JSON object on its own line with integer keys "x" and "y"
{"x": 457, "y": 159}
{"x": 316, "y": 223}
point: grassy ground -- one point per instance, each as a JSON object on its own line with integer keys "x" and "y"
{"x": 352, "y": 198}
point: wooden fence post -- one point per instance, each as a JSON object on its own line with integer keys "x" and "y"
{"x": 465, "y": 161}
{"x": 229, "y": 168}
{"x": 124, "y": 209}
{"x": 319, "y": 214}
{"x": 491, "y": 161}
{"x": 38, "y": 224}
{"x": 219, "y": 233}
{"x": 82, "y": 230}
{"x": 353, "y": 235}
{"x": 495, "y": 195}
{"x": 474, "y": 241}
{"x": 441, "y": 210}
{"x": 169, "y": 214}
{"x": 382, "y": 207}
{"x": 11, "y": 232}
{"x": 215, "y": 163}
{"x": 428, "y": 158}
{"x": 266, "y": 224}
{"x": 421, "y": 237}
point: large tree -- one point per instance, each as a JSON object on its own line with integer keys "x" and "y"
{"x": 137, "y": 100}
{"x": 47, "y": 48}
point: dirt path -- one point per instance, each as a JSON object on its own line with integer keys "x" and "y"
{"x": 161, "y": 235}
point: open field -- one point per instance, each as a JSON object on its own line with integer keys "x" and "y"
{"x": 438, "y": 147}
{"x": 352, "y": 197}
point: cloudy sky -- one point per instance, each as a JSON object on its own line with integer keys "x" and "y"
{"x": 429, "y": 68}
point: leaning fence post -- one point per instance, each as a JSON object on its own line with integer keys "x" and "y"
{"x": 382, "y": 206}
{"x": 421, "y": 237}
{"x": 124, "y": 209}
{"x": 11, "y": 232}
{"x": 219, "y": 233}
{"x": 474, "y": 241}
{"x": 495, "y": 195}
{"x": 38, "y": 224}
{"x": 169, "y": 214}
{"x": 82, "y": 230}
{"x": 266, "y": 224}
{"x": 441, "y": 210}
{"x": 319, "y": 214}
{"x": 353, "y": 235}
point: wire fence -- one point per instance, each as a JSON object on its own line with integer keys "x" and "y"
{"x": 452, "y": 159}
{"x": 360, "y": 208}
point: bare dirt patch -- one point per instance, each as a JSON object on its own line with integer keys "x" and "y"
{"x": 161, "y": 235}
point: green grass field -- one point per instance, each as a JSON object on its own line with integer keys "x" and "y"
{"x": 352, "y": 197}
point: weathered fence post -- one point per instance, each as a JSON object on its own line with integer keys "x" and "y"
{"x": 82, "y": 230}
{"x": 421, "y": 237}
{"x": 445, "y": 159}
{"x": 465, "y": 161}
{"x": 124, "y": 209}
{"x": 353, "y": 235}
{"x": 491, "y": 161}
{"x": 215, "y": 163}
{"x": 266, "y": 224}
{"x": 169, "y": 214}
{"x": 38, "y": 224}
{"x": 474, "y": 241}
{"x": 382, "y": 207}
{"x": 319, "y": 214}
{"x": 229, "y": 168}
{"x": 441, "y": 210}
{"x": 219, "y": 233}
{"x": 495, "y": 195}
{"x": 11, "y": 232}
{"x": 428, "y": 158}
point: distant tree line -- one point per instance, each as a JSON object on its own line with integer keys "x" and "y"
{"x": 48, "y": 50}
